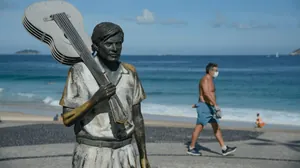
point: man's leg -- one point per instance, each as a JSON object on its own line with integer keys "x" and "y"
{"x": 195, "y": 135}
{"x": 191, "y": 149}
{"x": 202, "y": 119}
{"x": 218, "y": 134}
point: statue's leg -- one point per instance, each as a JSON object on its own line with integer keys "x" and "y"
{"x": 124, "y": 157}
{"x": 85, "y": 156}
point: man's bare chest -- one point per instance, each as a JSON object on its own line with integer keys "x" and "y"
{"x": 213, "y": 88}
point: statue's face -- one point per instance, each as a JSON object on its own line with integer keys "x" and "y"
{"x": 110, "y": 49}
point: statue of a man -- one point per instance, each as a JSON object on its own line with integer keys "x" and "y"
{"x": 101, "y": 142}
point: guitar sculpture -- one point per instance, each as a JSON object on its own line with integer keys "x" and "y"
{"x": 60, "y": 25}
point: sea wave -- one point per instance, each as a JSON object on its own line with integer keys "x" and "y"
{"x": 28, "y": 95}
{"x": 229, "y": 113}
{"x": 170, "y": 93}
{"x": 33, "y": 77}
{"x": 50, "y": 101}
{"x": 159, "y": 62}
{"x": 190, "y": 69}
{"x": 233, "y": 114}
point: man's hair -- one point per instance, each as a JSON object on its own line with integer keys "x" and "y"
{"x": 104, "y": 31}
{"x": 209, "y": 66}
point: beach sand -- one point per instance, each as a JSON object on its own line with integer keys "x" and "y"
{"x": 37, "y": 141}
{"x": 158, "y": 120}
{"x": 19, "y": 116}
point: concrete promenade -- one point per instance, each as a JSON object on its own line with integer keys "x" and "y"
{"x": 24, "y": 145}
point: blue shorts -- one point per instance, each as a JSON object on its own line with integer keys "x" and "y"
{"x": 205, "y": 114}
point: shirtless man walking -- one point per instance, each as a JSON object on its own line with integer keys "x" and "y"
{"x": 206, "y": 110}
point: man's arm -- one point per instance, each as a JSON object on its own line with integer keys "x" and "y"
{"x": 207, "y": 91}
{"x": 139, "y": 134}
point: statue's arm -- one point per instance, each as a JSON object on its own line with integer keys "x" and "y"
{"x": 138, "y": 120}
{"x": 71, "y": 115}
{"x": 139, "y": 134}
{"x": 74, "y": 94}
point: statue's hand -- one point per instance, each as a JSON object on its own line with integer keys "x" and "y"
{"x": 144, "y": 163}
{"x": 104, "y": 92}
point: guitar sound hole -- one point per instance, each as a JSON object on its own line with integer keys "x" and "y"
{"x": 65, "y": 36}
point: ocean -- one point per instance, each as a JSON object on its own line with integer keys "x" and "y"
{"x": 246, "y": 85}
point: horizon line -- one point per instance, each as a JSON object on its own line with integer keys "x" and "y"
{"x": 162, "y": 55}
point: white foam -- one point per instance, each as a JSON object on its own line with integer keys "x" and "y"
{"x": 41, "y": 65}
{"x": 29, "y": 95}
{"x": 234, "y": 114}
{"x": 47, "y": 100}
{"x": 187, "y": 69}
{"x": 50, "y": 101}
{"x": 159, "y": 62}
{"x": 1, "y": 90}
{"x": 54, "y": 103}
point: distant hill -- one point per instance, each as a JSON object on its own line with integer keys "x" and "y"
{"x": 28, "y": 51}
{"x": 295, "y": 53}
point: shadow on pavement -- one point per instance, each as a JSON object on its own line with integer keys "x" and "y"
{"x": 294, "y": 145}
{"x": 201, "y": 148}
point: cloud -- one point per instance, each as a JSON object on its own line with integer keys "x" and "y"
{"x": 220, "y": 21}
{"x": 173, "y": 21}
{"x": 149, "y": 17}
{"x": 253, "y": 26}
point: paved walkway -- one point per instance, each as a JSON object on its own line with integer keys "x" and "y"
{"x": 268, "y": 150}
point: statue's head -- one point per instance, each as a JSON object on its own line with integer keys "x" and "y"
{"x": 107, "y": 41}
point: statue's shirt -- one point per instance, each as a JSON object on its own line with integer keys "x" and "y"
{"x": 81, "y": 86}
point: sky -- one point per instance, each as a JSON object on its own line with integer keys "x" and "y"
{"x": 185, "y": 27}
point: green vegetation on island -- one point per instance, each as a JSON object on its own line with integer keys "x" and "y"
{"x": 28, "y": 51}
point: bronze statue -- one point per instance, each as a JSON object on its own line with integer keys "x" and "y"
{"x": 101, "y": 141}
{"x": 102, "y": 96}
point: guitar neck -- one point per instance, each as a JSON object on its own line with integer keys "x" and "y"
{"x": 78, "y": 44}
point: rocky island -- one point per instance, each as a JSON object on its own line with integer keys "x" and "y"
{"x": 295, "y": 53}
{"x": 27, "y": 51}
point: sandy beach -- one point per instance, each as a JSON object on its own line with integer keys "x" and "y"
{"x": 157, "y": 120}
{"x": 37, "y": 141}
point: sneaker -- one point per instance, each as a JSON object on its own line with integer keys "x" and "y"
{"x": 229, "y": 150}
{"x": 193, "y": 152}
